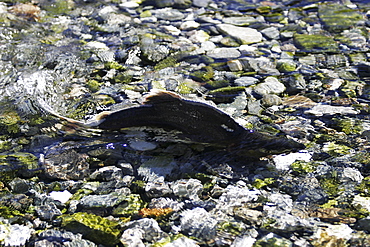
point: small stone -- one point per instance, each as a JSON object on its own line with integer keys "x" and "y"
{"x": 271, "y": 33}
{"x": 208, "y": 45}
{"x": 148, "y": 230}
{"x": 189, "y": 25}
{"x": 224, "y": 53}
{"x": 235, "y": 65}
{"x": 246, "y": 81}
{"x": 271, "y": 100}
{"x": 48, "y": 212}
{"x": 19, "y": 186}
{"x": 271, "y": 85}
{"x": 104, "y": 201}
{"x": 244, "y": 35}
{"x": 107, "y": 173}
{"x": 169, "y": 14}
{"x": 157, "y": 188}
{"x": 141, "y": 145}
{"x": 239, "y": 20}
{"x": 361, "y": 201}
{"x": 201, "y": 3}
{"x": 198, "y": 36}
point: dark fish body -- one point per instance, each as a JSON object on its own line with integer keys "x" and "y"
{"x": 198, "y": 122}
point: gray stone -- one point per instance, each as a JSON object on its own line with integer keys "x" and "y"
{"x": 201, "y": 3}
{"x": 224, "y": 53}
{"x": 239, "y": 20}
{"x": 187, "y": 188}
{"x": 246, "y": 81}
{"x": 19, "y": 186}
{"x": 271, "y": 85}
{"x": 271, "y": 99}
{"x": 48, "y": 211}
{"x": 108, "y": 173}
{"x": 169, "y": 14}
{"x": 271, "y": 32}
{"x": 198, "y": 223}
{"x": 157, "y": 188}
{"x": 322, "y": 109}
{"x": 146, "y": 229}
{"x": 104, "y": 201}
{"x": 244, "y": 35}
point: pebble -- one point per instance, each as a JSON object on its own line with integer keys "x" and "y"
{"x": 270, "y": 85}
{"x": 283, "y": 161}
{"x": 224, "y": 53}
{"x": 244, "y": 35}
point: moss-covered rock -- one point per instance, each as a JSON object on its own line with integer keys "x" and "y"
{"x": 315, "y": 43}
{"x": 338, "y": 17}
{"x": 93, "y": 227}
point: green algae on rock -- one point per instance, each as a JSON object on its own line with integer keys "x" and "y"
{"x": 93, "y": 227}
{"x": 337, "y": 17}
{"x": 315, "y": 43}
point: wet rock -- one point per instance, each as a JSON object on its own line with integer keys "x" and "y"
{"x": 271, "y": 32}
{"x": 239, "y": 20}
{"x": 275, "y": 240}
{"x": 315, "y": 43}
{"x": 187, "y": 188}
{"x": 198, "y": 223}
{"x": 55, "y": 237}
{"x": 271, "y": 85}
{"x": 322, "y": 109}
{"x": 183, "y": 241}
{"x": 246, "y": 81}
{"x": 14, "y": 235}
{"x": 224, "y": 53}
{"x": 19, "y": 186}
{"x": 66, "y": 165}
{"x": 337, "y": 18}
{"x": 48, "y": 211}
{"x": 168, "y": 14}
{"x": 92, "y": 227}
{"x": 99, "y": 202}
{"x": 146, "y": 230}
{"x": 157, "y": 188}
{"x": 244, "y": 35}
{"x": 271, "y": 100}
{"x": 261, "y": 65}
{"x": 107, "y": 173}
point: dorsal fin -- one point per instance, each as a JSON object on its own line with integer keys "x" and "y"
{"x": 159, "y": 96}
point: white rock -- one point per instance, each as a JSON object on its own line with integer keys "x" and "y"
{"x": 364, "y": 202}
{"x": 224, "y": 53}
{"x": 62, "y": 196}
{"x": 189, "y": 25}
{"x": 244, "y": 35}
{"x": 283, "y": 161}
{"x": 96, "y": 45}
{"x": 322, "y": 109}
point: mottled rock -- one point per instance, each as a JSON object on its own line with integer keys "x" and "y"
{"x": 187, "y": 188}
{"x": 246, "y": 81}
{"x": 107, "y": 173}
{"x": 48, "y": 211}
{"x": 68, "y": 164}
{"x": 198, "y": 223}
{"x": 55, "y": 237}
{"x": 169, "y": 14}
{"x": 322, "y": 109}
{"x": 147, "y": 230}
{"x": 14, "y": 235}
{"x": 157, "y": 188}
{"x": 244, "y": 35}
{"x": 271, "y": 85}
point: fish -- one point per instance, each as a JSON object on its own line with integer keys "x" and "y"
{"x": 196, "y": 121}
